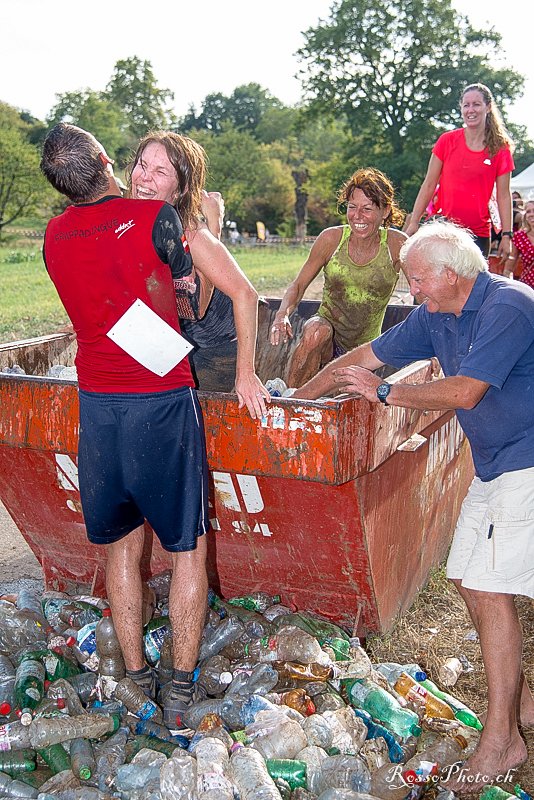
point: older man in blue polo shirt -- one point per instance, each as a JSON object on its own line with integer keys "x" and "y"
{"x": 481, "y": 329}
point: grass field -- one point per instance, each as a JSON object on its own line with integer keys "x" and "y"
{"x": 29, "y": 305}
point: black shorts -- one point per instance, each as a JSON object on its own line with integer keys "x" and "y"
{"x": 143, "y": 456}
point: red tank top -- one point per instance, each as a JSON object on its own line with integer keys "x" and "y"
{"x": 101, "y": 258}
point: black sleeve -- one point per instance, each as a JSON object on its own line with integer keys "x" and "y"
{"x": 170, "y": 243}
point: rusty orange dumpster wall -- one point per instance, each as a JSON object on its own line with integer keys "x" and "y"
{"x": 342, "y": 506}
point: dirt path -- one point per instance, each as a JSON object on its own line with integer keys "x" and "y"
{"x": 19, "y": 567}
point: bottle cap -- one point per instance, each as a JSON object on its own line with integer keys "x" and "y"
{"x": 61, "y": 702}
{"x": 85, "y": 773}
{"x": 71, "y": 641}
{"x": 25, "y": 716}
{"x": 5, "y": 709}
{"x": 225, "y": 678}
{"x": 106, "y": 612}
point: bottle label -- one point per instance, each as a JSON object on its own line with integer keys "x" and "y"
{"x": 416, "y": 692}
{"x": 146, "y": 711}
{"x": 5, "y": 743}
{"x": 209, "y": 781}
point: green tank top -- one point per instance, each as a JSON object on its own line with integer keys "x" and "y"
{"x": 355, "y": 296}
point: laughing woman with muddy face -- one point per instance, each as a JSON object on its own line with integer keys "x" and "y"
{"x": 361, "y": 265}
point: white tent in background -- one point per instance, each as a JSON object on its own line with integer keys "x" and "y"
{"x": 524, "y": 183}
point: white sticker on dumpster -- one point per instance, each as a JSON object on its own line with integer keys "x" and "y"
{"x": 67, "y": 472}
{"x": 249, "y": 490}
{"x": 444, "y": 444}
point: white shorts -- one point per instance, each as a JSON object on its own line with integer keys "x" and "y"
{"x": 493, "y": 545}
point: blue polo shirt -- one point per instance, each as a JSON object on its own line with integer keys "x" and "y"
{"x": 492, "y": 340}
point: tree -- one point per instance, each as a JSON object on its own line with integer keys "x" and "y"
{"x": 95, "y": 113}
{"x": 22, "y": 186}
{"x": 244, "y": 110}
{"x": 394, "y": 70}
{"x": 133, "y": 89}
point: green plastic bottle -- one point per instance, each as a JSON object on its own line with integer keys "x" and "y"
{"x": 29, "y": 688}
{"x": 382, "y": 706}
{"x": 294, "y": 772}
{"x": 17, "y": 761}
{"x": 323, "y": 630}
{"x": 82, "y": 758}
{"x": 56, "y": 757}
{"x": 256, "y": 601}
{"x": 143, "y": 740}
{"x": 55, "y": 663}
{"x": 494, "y": 793}
{"x": 462, "y": 712}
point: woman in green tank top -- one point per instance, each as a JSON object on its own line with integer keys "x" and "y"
{"x": 360, "y": 261}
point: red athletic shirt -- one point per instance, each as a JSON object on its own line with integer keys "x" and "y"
{"x": 102, "y": 257}
{"x": 467, "y": 180}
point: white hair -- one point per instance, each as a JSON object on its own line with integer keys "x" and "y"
{"x": 446, "y": 246}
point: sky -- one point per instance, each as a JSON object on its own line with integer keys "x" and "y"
{"x": 56, "y": 46}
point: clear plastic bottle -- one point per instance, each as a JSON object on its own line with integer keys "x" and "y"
{"x": 288, "y": 644}
{"x": 412, "y": 690}
{"x": 450, "y": 671}
{"x": 109, "y": 756}
{"x": 383, "y": 707}
{"x": 14, "y": 736}
{"x": 18, "y": 628}
{"x": 343, "y": 772}
{"x": 324, "y": 696}
{"x": 161, "y": 584}
{"x": 29, "y": 600}
{"x": 226, "y": 632}
{"x": 215, "y": 675}
{"x": 313, "y": 756}
{"x": 86, "y": 645}
{"x": 29, "y": 688}
{"x": 274, "y": 735}
{"x": 134, "y": 777}
{"x": 136, "y": 701}
{"x": 256, "y": 679}
{"x": 249, "y": 773}
{"x": 77, "y": 614}
{"x": 82, "y": 759}
{"x": 155, "y": 729}
{"x": 212, "y": 764}
{"x": 387, "y": 783}
{"x": 178, "y": 777}
{"x": 83, "y": 684}
{"x": 11, "y": 787}
{"x": 318, "y": 732}
{"x": 391, "y": 671}
{"x": 108, "y": 648}
{"x": 46, "y": 731}
{"x": 7, "y": 686}
{"x": 356, "y": 665}
{"x": 193, "y": 715}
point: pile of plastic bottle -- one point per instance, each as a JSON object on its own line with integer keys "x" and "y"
{"x": 291, "y": 707}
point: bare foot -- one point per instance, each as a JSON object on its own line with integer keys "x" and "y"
{"x": 488, "y": 764}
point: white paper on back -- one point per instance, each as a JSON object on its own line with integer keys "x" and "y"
{"x": 142, "y": 334}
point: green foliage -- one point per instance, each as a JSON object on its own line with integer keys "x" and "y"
{"x": 244, "y": 110}
{"x": 133, "y": 89}
{"x": 397, "y": 79}
{"x": 96, "y": 113}
{"x": 22, "y": 187}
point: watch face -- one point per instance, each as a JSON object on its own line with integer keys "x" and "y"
{"x": 383, "y": 390}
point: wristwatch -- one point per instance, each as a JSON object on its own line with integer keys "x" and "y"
{"x": 382, "y": 392}
{"x": 507, "y": 233}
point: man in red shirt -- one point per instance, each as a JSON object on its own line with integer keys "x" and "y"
{"x": 142, "y": 450}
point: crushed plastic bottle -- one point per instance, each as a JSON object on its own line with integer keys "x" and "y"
{"x": 111, "y": 661}
{"x": 249, "y": 773}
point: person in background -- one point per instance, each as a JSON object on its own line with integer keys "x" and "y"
{"x": 171, "y": 167}
{"x": 467, "y": 163}
{"x": 523, "y": 245}
{"x": 480, "y": 327}
{"x": 142, "y": 451}
{"x": 517, "y": 210}
{"x": 360, "y": 261}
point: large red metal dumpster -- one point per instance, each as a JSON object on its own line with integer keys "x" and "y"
{"x": 342, "y": 506}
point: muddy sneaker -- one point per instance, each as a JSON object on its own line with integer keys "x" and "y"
{"x": 146, "y": 680}
{"x": 181, "y": 694}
